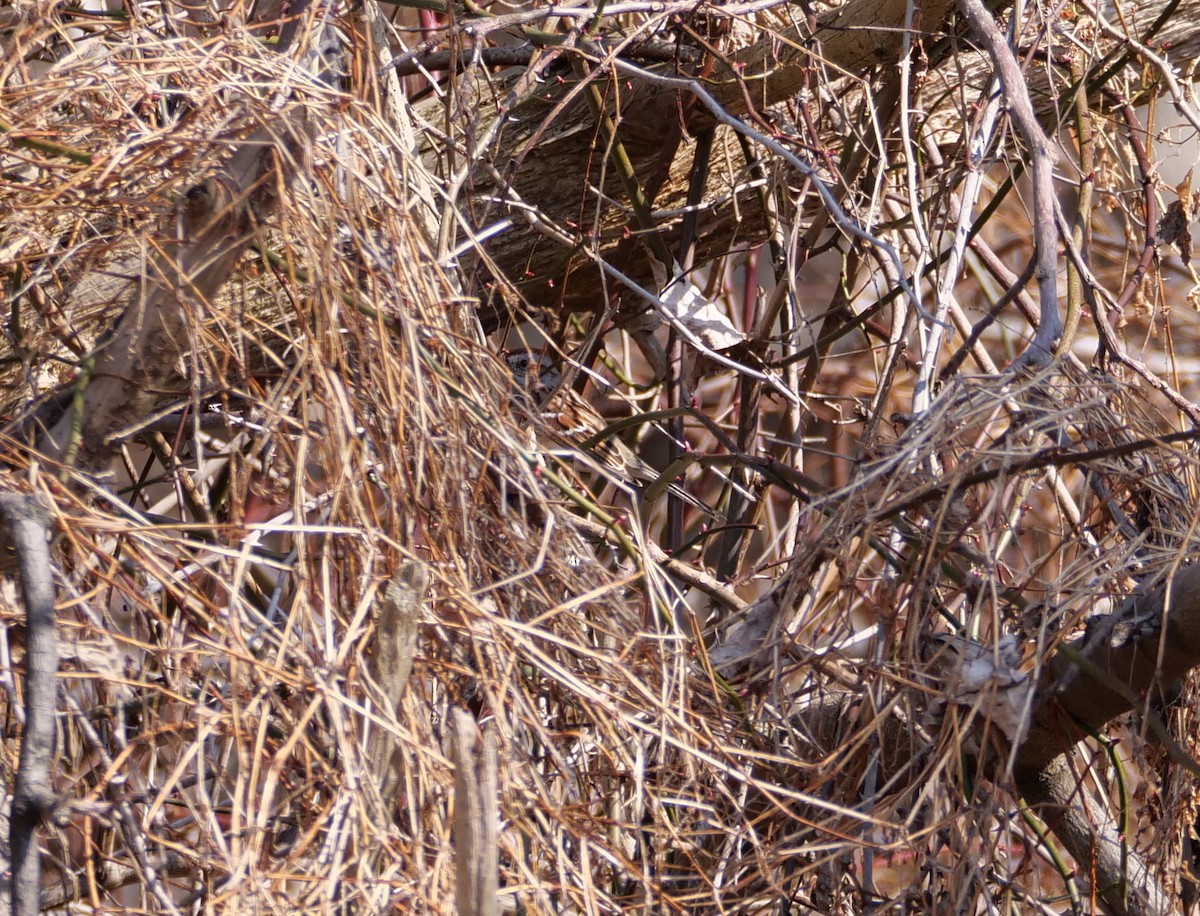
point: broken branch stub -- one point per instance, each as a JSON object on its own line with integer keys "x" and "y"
{"x": 476, "y": 816}
{"x": 390, "y": 666}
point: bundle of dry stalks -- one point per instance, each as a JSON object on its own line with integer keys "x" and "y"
{"x": 338, "y": 633}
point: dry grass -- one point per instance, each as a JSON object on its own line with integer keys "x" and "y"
{"x": 336, "y": 416}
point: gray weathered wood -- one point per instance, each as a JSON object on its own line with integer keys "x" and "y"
{"x": 476, "y": 816}
{"x": 27, "y": 527}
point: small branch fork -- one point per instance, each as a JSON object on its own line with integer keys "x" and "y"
{"x": 1020, "y": 110}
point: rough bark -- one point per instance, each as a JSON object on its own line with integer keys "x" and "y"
{"x": 1140, "y": 651}
{"x": 546, "y": 154}
{"x": 396, "y": 642}
{"x": 1119, "y": 876}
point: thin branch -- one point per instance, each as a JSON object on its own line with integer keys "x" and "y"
{"x": 1020, "y": 110}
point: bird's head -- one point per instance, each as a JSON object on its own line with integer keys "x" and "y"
{"x": 533, "y": 371}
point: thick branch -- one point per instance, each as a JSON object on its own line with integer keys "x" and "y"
{"x": 851, "y": 39}
{"x": 27, "y": 525}
{"x": 543, "y": 185}
{"x": 548, "y": 147}
{"x": 1091, "y": 835}
{"x": 476, "y": 816}
{"x": 1142, "y": 649}
{"x": 399, "y": 613}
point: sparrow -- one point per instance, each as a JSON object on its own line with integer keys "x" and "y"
{"x": 572, "y": 420}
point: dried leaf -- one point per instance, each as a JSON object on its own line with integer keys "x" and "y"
{"x": 701, "y": 316}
